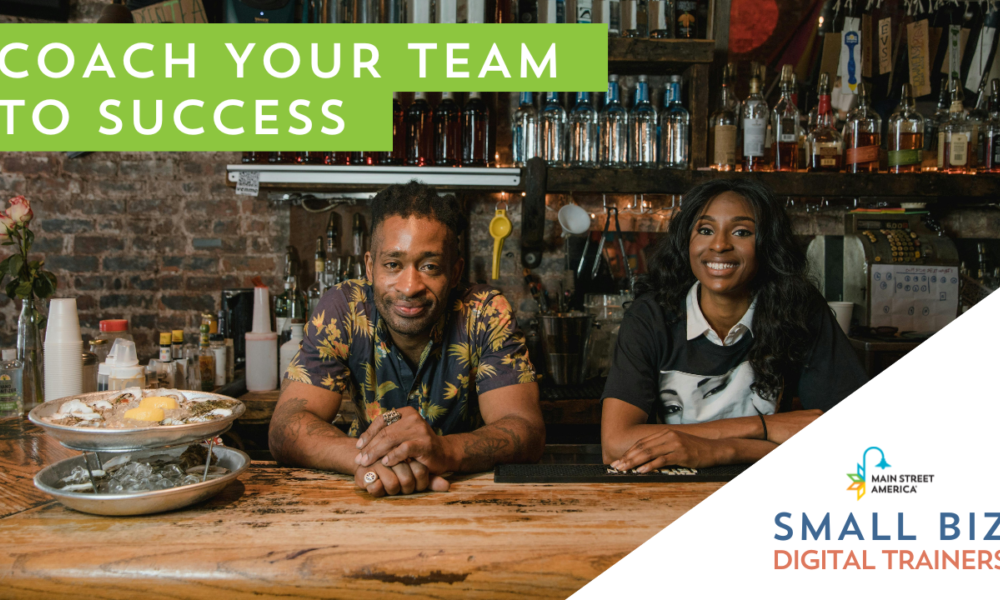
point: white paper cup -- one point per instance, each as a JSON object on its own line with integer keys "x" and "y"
{"x": 844, "y": 311}
{"x": 64, "y": 323}
{"x": 574, "y": 219}
{"x": 63, "y": 370}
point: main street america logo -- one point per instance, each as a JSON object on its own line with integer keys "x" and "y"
{"x": 879, "y": 481}
{"x": 858, "y": 479}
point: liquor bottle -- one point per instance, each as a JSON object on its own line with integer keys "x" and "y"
{"x": 337, "y": 158}
{"x": 318, "y": 287}
{"x": 932, "y": 128}
{"x": 642, "y": 128}
{"x": 675, "y": 128}
{"x": 953, "y": 138}
{"x": 631, "y": 19}
{"x": 906, "y": 135}
{"x": 862, "y": 136}
{"x": 206, "y": 361}
{"x": 785, "y": 124}
{"x": 977, "y": 119}
{"x": 398, "y": 154}
{"x": 755, "y": 119}
{"x": 722, "y": 128}
{"x": 310, "y": 158}
{"x": 283, "y": 158}
{"x": 660, "y": 16}
{"x": 332, "y": 269}
{"x": 525, "y": 129}
{"x": 447, "y": 132}
{"x": 583, "y": 132}
{"x": 553, "y": 131}
{"x": 613, "y": 126}
{"x": 826, "y": 144}
{"x": 475, "y": 132}
{"x": 419, "y": 132}
{"x": 687, "y": 24}
{"x": 991, "y": 133}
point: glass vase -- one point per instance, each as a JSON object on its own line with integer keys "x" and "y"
{"x": 29, "y": 352}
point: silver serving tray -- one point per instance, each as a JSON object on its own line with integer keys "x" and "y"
{"x": 140, "y": 503}
{"x": 90, "y": 439}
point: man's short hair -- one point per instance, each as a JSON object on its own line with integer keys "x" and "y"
{"x": 415, "y": 199}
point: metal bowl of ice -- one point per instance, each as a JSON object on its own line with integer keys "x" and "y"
{"x": 51, "y": 480}
{"x": 132, "y": 436}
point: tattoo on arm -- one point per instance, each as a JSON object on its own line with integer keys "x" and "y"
{"x": 498, "y": 442}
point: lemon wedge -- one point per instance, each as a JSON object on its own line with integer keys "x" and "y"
{"x": 145, "y": 413}
{"x": 161, "y": 402}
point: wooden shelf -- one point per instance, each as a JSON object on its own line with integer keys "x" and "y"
{"x": 920, "y": 187}
{"x": 333, "y": 179}
{"x": 630, "y": 52}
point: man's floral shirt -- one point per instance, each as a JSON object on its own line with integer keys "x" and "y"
{"x": 475, "y": 347}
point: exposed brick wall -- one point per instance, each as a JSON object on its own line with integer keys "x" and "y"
{"x": 126, "y": 234}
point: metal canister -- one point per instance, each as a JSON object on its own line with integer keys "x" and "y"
{"x": 565, "y": 344}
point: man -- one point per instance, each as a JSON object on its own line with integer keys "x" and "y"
{"x": 439, "y": 374}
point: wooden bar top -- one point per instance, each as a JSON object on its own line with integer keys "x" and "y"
{"x": 300, "y": 533}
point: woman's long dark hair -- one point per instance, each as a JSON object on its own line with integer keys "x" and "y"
{"x": 785, "y": 297}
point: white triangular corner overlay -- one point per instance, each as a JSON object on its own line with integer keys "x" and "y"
{"x": 936, "y": 412}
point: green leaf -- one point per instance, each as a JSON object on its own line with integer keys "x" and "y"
{"x": 29, "y": 236}
{"x": 51, "y": 278}
{"x": 42, "y": 287}
{"x": 11, "y": 289}
{"x": 35, "y": 265}
{"x": 8, "y": 243}
{"x": 42, "y": 320}
{"x": 24, "y": 289}
{"x": 4, "y": 263}
{"x": 14, "y": 266}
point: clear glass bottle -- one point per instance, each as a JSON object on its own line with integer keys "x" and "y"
{"x": 932, "y": 128}
{"x": 675, "y": 128}
{"x": 318, "y": 287}
{"x": 583, "y": 132}
{"x": 826, "y": 144}
{"x": 642, "y": 128}
{"x": 613, "y": 126}
{"x": 176, "y": 344}
{"x": 755, "y": 119}
{"x": 862, "y": 136}
{"x": 475, "y": 132}
{"x": 398, "y": 154}
{"x": 991, "y": 133}
{"x": 977, "y": 119}
{"x": 906, "y": 135}
{"x": 953, "y": 138}
{"x": 722, "y": 128}
{"x": 660, "y": 16}
{"x": 206, "y": 362}
{"x": 785, "y": 124}
{"x": 525, "y": 130}
{"x": 553, "y": 131}
{"x": 631, "y": 18}
{"x": 419, "y": 132}
{"x": 447, "y": 132}
{"x": 11, "y": 390}
{"x": 332, "y": 267}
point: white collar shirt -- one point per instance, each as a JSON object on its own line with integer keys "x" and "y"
{"x": 697, "y": 325}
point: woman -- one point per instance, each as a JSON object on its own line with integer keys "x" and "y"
{"x": 725, "y": 329}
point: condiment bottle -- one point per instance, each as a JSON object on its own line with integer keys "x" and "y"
{"x": 124, "y": 367}
{"x": 11, "y": 390}
{"x": 218, "y": 347}
{"x": 165, "y": 351}
{"x": 261, "y": 346}
{"x": 177, "y": 344}
{"x": 290, "y": 348}
{"x": 206, "y": 361}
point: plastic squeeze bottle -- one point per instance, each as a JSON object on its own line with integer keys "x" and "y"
{"x": 261, "y": 346}
{"x": 290, "y": 348}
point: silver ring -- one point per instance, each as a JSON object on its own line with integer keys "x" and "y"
{"x": 370, "y": 477}
{"x": 391, "y": 417}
